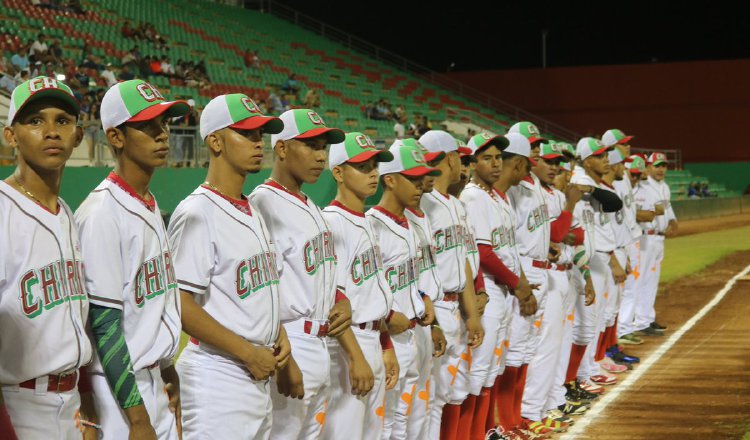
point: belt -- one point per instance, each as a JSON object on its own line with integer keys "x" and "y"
{"x": 450, "y": 296}
{"x": 372, "y": 325}
{"x": 607, "y": 252}
{"x": 562, "y": 267}
{"x": 311, "y": 327}
{"x": 56, "y": 383}
{"x": 541, "y": 264}
{"x": 652, "y": 232}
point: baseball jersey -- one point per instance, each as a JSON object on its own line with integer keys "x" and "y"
{"x": 605, "y": 239}
{"x": 494, "y": 220}
{"x": 360, "y": 263}
{"x": 585, "y": 212}
{"x": 556, "y": 201}
{"x": 447, "y": 218}
{"x": 532, "y": 213}
{"x": 43, "y": 303}
{"x": 665, "y": 199}
{"x": 620, "y": 229}
{"x": 222, "y": 254}
{"x": 129, "y": 267}
{"x": 304, "y": 245}
{"x": 625, "y": 190}
{"x": 401, "y": 255}
{"x": 646, "y": 199}
{"x": 429, "y": 279}
{"x": 472, "y": 252}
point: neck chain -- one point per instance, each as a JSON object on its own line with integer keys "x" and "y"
{"x": 28, "y": 193}
{"x": 282, "y": 185}
{"x": 210, "y": 185}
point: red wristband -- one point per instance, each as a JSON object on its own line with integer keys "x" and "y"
{"x": 390, "y": 315}
{"x": 340, "y": 296}
{"x": 385, "y": 341}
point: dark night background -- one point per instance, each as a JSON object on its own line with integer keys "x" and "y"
{"x": 507, "y": 35}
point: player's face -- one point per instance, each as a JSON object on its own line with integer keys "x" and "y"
{"x": 243, "y": 149}
{"x": 624, "y": 149}
{"x": 408, "y": 190}
{"x": 454, "y": 160}
{"x": 44, "y": 135}
{"x": 658, "y": 171}
{"x": 535, "y": 150}
{"x": 306, "y": 158}
{"x": 145, "y": 143}
{"x": 619, "y": 170}
{"x": 361, "y": 178}
{"x": 599, "y": 163}
{"x": 634, "y": 178}
{"x": 489, "y": 164}
{"x": 547, "y": 169}
{"x": 521, "y": 167}
{"x": 562, "y": 179}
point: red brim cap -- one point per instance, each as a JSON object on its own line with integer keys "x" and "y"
{"x": 600, "y": 151}
{"x": 534, "y": 139}
{"x": 532, "y": 162}
{"x": 625, "y": 140}
{"x": 552, "y": 156}
{"x": 268, "y": 123}
{"x": 171, "y": 109}
{"x": 464, "y": 151}
{"x": 436, "y": 155}
{"x": 421, "y": 171}
{"x": 382, "y": 156}
{"x": 334, "y": 135}
{"x": 635, "y": 171}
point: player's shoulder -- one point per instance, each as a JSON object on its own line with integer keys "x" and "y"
{"x": 193, "y": 207}
{"x": 100, "y": 201}
{"x": 472, "y": 193}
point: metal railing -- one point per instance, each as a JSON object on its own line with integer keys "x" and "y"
{"x": 394, "y": 60}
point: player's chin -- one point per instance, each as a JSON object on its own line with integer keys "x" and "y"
{"x": 253, "y": 168}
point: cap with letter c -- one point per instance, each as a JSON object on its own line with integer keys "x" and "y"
{"x": 408, "y": 159}
{"x": 303, "y": 123}
{"x": 657, "y": 158}
{"x": 589, "y": 146}
{"x": 238, "y": 111}
{"x": 614, "y": 137}
{"x": 356, "y": 148}
{"x": 135, "y": 101}
{"x": 38, "y": 88}
{"x": 484, "y": 139}
{"x": 635, "y": 164}
{"x": 528, "y": 130}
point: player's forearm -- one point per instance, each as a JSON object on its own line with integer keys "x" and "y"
{"x": 468, "y": 300}
{"x": 494, "y": 266}
{"x": 197, "y": 323}
{"x": 644, "y": 216}
{"x": 349, "y": 343}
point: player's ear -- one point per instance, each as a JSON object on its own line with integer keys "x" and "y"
{"x": 338, "y": 174}
{"x": 280, "y": 149}
{"x": 214, "y": 143}
{"x": 116, "y": 139}
{"x": 79, "y": 135}
{"x": 10, "y": 137}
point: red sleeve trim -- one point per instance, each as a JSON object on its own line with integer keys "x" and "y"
{"x": 385, "y": 341}
{"x": 479, "y": 280}
{"x": 561, "y": 227}
{"x": 340, "y": 296}
{"x": 580, "y": 235}
{"x": 494, "y": 266}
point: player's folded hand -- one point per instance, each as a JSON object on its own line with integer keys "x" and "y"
{"x": 290, "y": 382}
{"x": 398, "y": 323}
{"x": 429, "y": 312}
{"x": 528, "y": 306}
{"x": 261, "y": 362}
{"x": 589, "y": 292}
{"x": 282, "y": 349}
{"x": 339, "y": 318}
{"x": 361, "y": 376}
{"x": 438, "y": 341}
{"x": 482, "y": 300}
{"x": 475, "y": 332}
{"x": 390, "y": 362}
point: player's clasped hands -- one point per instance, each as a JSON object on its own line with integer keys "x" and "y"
{"x": 399, "y": 323}
{"x": 589, "y": 292}
{"x": 261, "y": 362}
{"x": 289, "y": 380}
{"x": 361, "y": 376}
{"x": 475, "y": 332}
{"x": 340, "y": 318}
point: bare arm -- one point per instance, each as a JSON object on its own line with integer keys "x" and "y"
{"x": 360, "y": 373}
{"x": 468, "y": 305}
{"x": 644, "y": 216}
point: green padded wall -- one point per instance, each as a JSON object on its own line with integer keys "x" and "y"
{"x": 735, "y": 175}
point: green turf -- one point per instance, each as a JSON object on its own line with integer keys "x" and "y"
{"x": 686, "y": 255}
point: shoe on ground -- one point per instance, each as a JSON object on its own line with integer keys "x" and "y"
{"x": 656, "y": 326}
{"x": 591, "y": 387}
{"x": 536, "y": 429}
{"x": 558, "y": 415}
{"x": 572, "y": 409}
{"x": 648, "y": 331}
{"x": 555, "y": 425}
{"x": 624, "y": 357}
{"x": 603, "y": 379}
{"x": 497, "y": 434}
{"x": 610, "y": 366}
{"x": 630, "y": 339}
{"x": 577, "y": 394}
{"x": 627, "y": 365}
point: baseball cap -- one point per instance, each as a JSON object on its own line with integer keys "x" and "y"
{"x": 528, "y": 129}
{"x": 440, "y": 141}
{"x": 481, "y": 140}
{"x": 657, "y": 158}
{"x": 38, "y": 88}
{"x": 408, "y": 159}
{"x": 518, "y": 144}
{"x": 614, "y": 136}
{"x": 302, "y": 123}
{"x": 236, "y": 111}
{"x": 589, "y": 146}
{"x": 356, "y": 148}
{"x": 567, "y": 149}
{"x": 615, "y": 157}
{"x": 463, "y": 150}
{"x": 551, "y": 150}
{"x": 136, "y": 100}
{"x": 566, "y": 166}
{"x": 429, "y": 156}
{"x": 635, "y": 164}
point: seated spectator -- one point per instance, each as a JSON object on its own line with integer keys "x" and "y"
{"x": 20, "y": 60}
{"x": 127, "y": 30}
{"x": 693, "y": 191}
{"x": 274, "y": 102}
{"x": 400, "y": 113}
{"x": 166, "y": 68}
{"x": 22, "y": 76}
{"x": 291, "y": 86}
{"x": 81, "y": 78}
{"x": 312, "y": 99}
{"x": 109, "y": 75}
{"x": 55, "y": 52}
{"x": 125, "y": 74}
{"x": 399, "y": 130}
{"x": 39, "y": 49}
{"x": 7, "y": 82}
{"x": 705, "y": 192}
{"x": 251, "y": 59}
{"x": 156, "y": 66}
{"x": 144, "y": 67}
{"x": 131, "y": 59}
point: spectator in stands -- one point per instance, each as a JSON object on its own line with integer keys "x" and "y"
{"x": 400, "y": 113}
{"x": 156, "y": 66}
{"x": 55, "y": 52}
{"x": 423, "y": 125}
{"x": 128, "y": 31}
{"x": 81, "y": 78}
{"x": 90, "y": 61}
{"x": 6, "y": 66}
{"x": 705, "y": 192}
{"x": 109, "y": 75}
{"x": 291, "y": 86}
{"x": 274, "y": 102}
{"x": 144, "y": 67}
{"x": 399, "y": 130}
{"x": 694, "y": 191}
{"x": 183, "y": 136}
{"x": 7, "y": 82}
{"x": 166, "y": 68}
{"x": 39, "y": 49}
{"x": 312, "y": 99}
{"x": 125, "y": 74}
{"x": 132, "y": 58}
{"x": 22, "y": 76}
{"x": 251, "y": 59}
{"x": 20, "y": 60}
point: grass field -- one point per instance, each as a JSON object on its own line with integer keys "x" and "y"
{"x": 689, "y": 254}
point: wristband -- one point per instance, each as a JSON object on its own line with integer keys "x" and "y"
{"x": 390, "y": 315}
{"x": 385, "y": 340}
{"x": 90, "y": 424}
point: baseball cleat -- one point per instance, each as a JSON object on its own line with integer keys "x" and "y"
{"x": 536, "y": 430}
{"x": 555, "y": 425}
{"x": 591, "y": 387}
{"x": 603, "y": 379}
{"x": 558, "y": 415}
{"x": 656, "y": 326}
{"x": 630, "y": 339}
{"x": 610, "y": 366}
{"x": 648, "y": 331}
{"x": 573, "y": 409}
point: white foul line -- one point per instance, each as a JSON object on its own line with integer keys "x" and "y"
{"x": 644, "y": 366}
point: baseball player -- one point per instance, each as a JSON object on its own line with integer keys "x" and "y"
{"x": 664, "y": 225}
{"x": 448, "y": 221}
{"x": 402, "y": 180}
{"x": 354, "y": 165}
{"x": 494, "y": 221}
{"x": 135, "y": 303}
{"x": 43, "y": 304}
{"x": 228, "y": 279}
{"x": 312, "y": 304}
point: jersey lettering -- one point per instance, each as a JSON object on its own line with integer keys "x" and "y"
{"x": 154, "y": 277}
{"x": 366, "y": 265}
{"x": 255, "y": 273}
{"x": 503, "y": 237}
{"x": 57, "y": 283}
{"x": 317, "y": 251}
{"x": 449, "y": 238}
{"x": 402, "y": 276}
{"x": 538, "y": 217}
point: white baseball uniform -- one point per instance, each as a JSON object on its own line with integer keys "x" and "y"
{"x": 493, "y": 221}
{"x": 129, "y": 268}
{"x": 627, "y": 305}
{"x": 360, "y": 271}
{"x": 222, "y": 255}
{"x": 622, "y": 233}
{"x": 307, "y": 286}
{"x": 401, "y": 253}
{"x": 43, "y": 314}
{"x": 653, "y": 247}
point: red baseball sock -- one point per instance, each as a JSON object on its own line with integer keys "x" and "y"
{"x": 518, "y": 397}
{"x": 600, "y": 346}
{"x": 468, "y": 408}
{"x": 480, "y": 414}
{"x": 576, "y": 356}
{"x": 491, "y": 420}
{"x": 505, "y": 392}
{"x": 613, "y": 336}
{"x": 450, "y": 421}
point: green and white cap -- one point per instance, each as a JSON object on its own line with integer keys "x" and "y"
{"x": 589, "y": 146}
{"x": 440, "y": 141}
{"x": 429, "y": 156}
{"x": 463, "y": 150}
{"x": 38, "y": 88}
{"x": 483, "y": 139}
{"x": 635, "y": 164}
{"x": 136, "y": 100}
{"x": 529, "y": 130}
{"x": 567, "y": 149}
{"x": 356, "y": 148}
{"x": 518, "y": 144}
{"x": 236, "y": 111}
{"x": 551, "y": 150}
{"x": 304, "y": 123}
{"x": 615, "y": 156}
{"x": 408, "y": 159}
{"x": 614, "y": 136}
{"x": 657, "y": 158}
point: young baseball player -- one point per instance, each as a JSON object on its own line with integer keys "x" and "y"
{"x": 664, "y": 226}
{"x": 403, "y": 182}
{"x": 135, "y": 303}
{"x": 448, "y": 221}
{"x": 354, "y": 165}
{"x": 312, "y": 304}
{"x": 493, "y": 217}
{"x": 43, "y": 304}
{"x": 228, "y": 279}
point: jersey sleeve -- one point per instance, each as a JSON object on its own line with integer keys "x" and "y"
{"x": 478, "y": 218}
{"x": 343, "y": 257}
{"x": 103, "y": 257}
{"x": 193, "y": 251}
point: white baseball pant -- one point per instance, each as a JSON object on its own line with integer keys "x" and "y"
{"x": 349, "y": 416}
{"x": 589, "y": 321}
{"x": 417, "y": 425}
{"x": 574, "y": 289}
{"x": 219, "y": 398}
{"x": 398, "y": 401}
{"x": 625, "y": 324}
{"x": 652, "y": 254}
{"x": 489, "y": 359}
{"x": 525, "y": 330}
{"x": 615, "y": 291}
{"x": 43, "y": 415}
